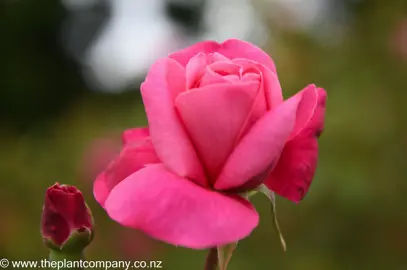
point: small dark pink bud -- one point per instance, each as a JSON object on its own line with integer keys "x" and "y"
{"x": 66, "y": 218}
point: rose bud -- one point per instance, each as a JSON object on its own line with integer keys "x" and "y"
{"x": 67, "y": 222}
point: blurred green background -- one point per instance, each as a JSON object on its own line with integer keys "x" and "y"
{"x": 53, "y": 129}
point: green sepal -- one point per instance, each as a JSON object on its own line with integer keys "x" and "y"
{"x": 270, "y": 195}
{"x": 76, "y": 242}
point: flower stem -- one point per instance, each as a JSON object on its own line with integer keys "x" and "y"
{"x": 66, "y": 260}
{"x": 225, "y": 254}
{"x": 212, "y": 259}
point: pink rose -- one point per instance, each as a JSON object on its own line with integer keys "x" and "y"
{"x": 218, "y": 125}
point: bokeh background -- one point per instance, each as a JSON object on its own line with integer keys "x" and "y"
{"x": 69, "y": 77}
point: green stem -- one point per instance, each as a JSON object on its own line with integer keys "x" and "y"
{"x": 225, "y": 254}
{"x": 66, "y": 260}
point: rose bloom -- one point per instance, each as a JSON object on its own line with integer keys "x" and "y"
{"x": 218, "y": 126}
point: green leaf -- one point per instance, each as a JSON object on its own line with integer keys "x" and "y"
{"x": 270, "y": 195}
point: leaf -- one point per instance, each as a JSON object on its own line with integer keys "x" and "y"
{"x": 270, "y": 195}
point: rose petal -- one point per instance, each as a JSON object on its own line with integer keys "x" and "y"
{"x": 214, "y": 116}
{"x": 71, "y": 206}
{"x": 232, "y": 78}
{"x": 220, "y": 72}
{"x": 257, "y": 111}
{"x": 206, "y": 47}
{"x": 261, "y": 147}
{"x": 306, "y": 109}
{"x": 175, "y": 210}
{"x": 251, "y": 77}
{"x": 272, "y": 88}
{"x": 54, "y": 226}
{"x": 215, "y": 57}
{"x": 211, "y": 77}
{"x": 135, "y": 134}
{"x": 225, "y": 68}
{"x": 315, "y": 125}
{"x": 231, "y": 48}
{"x": 271, "y": 84}
{"x": 295, "y": 170}
{"x": 195, "y": 69}
{"x": 133, "y": 157}
{"x": 101, "y": 189}
{"x": 293, "y": 174}
{"x": 234, "y": 48}
{"x": 166, "y": 80}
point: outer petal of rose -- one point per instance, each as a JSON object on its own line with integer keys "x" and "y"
{"x": 214, "y": 116}
{"x": 315, "y": 125}
{"x": 69, "y": 205}
{"x": 100, "y": 189}
{"x": 231, "y": 48}
{"x": 259, "y": 149}
{"x": 295, "y": 170}
{"x": 170, "y": 140}
{"x": 271, "y": 84}
{"x": 306, "y": 109}
{"x": 134, "y": 156}
{"x": 177, "y": 211}
{"x": 293, "y": 174}
{"x": 135, "y": 134}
